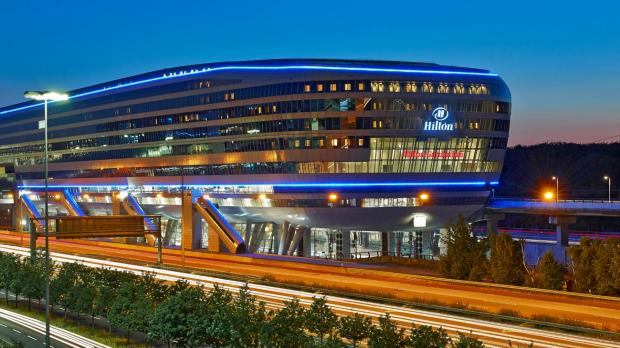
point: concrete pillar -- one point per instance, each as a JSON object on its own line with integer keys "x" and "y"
{"x": 562, "y": 222}
{"x": 492, "y": 219}
{"x": 246, "y": 237}
{"x": 443, "y": 234}
{"x": 306, "y": 243}
{"x": 365, "y": 239}
{"x": 346, "y": 244}
{"x": 427, "y": 243}
{"x": 298, "y": 235}
{"x": 283, "y": 237}
{"x": 275, "y": 238}
{"x": 191, "y": 223}
{"x": 388, "y": 243}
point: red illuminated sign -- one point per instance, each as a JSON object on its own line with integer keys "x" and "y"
{"x": 431, "y": 154}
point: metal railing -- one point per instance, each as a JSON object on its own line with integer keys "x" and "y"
{"x": 536, "y": 200}
{"x": 368, "y": 254}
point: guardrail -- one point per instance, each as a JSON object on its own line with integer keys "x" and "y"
{"x": 368, "y": 254}
{"x": 597, "y": 201}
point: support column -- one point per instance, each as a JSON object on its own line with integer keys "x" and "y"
{"x": 246, "y": 238}
{"x": 116, "y": 210}
{"x": 562, "y": 222}
{"x": 388, "y": 243}
{"x": 298, "y": 234}
{"x": 191, "y": 223}
{"x": 306, "y": 243}
{"x": 346, "y": 245}
{"x": 283, "y": 237}
{"x": 492, "y": 219}
{"x": 443, "y": 234}
{"x": 427, "y": 243}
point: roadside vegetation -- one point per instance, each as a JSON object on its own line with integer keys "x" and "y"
{"x": 182, "y": 315}
{"x": 592, "y": 268}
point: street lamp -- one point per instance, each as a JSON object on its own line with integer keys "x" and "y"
{"x": 423, "y": 197}
{"x": 557, "y": 188}
{"x": 548, "y": 195}
{"x": 45, "y": 96}
{"x": 609, "y": 183}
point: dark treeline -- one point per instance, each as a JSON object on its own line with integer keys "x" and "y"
{"x": 593, "y": 266}
{"x": 528, "y": 171}
{"x": 193, "y": 317}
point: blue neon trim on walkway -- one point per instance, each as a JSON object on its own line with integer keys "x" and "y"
{"x": 292, "y": 67}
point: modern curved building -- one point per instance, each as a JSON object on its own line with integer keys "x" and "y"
{"x": 323, "y": 144}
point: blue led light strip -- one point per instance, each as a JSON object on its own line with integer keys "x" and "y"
{"x": 292, "y": 67}
{"x": 470, "y": 183}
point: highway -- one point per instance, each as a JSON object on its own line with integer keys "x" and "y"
{"x": 32, "y": 333}
{"x": 493, "y": 334}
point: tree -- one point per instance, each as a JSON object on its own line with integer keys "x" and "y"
{"x": 355, "y": 328}
{"x": 9, "y": 266}
{"x": 425, "y": 337}
{"x": 606, "y": 260}
{"x": 551, "y": 272}
{"x": 34, "y": 272}
{"x": 286, "y": 328}
{"x": 62, "y": 283}
{"x": 17, "y": 279}
{"x": 506, "y": 260}
{"x": 582, "y": 258}
{"x": 131, "y": 309}
{"x": 248, "y": 318}
{"x": 465, "y": 257}
{"x": 468, "y": 342}
{"x": 175, "y": 318}
{"x": 218, "y": 324}
{"x": 13, "y": 344}
{"x": 320, "y": 320}
{"x": 387, "y": 335}
{"x": 153, "y": 289}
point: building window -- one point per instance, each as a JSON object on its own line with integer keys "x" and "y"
{"x": 321, "y": 142}
{"x": 347, "y": 86}
{"x": 128, "y": 110}
{"x": 334, "y": 142}
{"x": 319, "y": 88}
{"x": 381, "y": 87}
{"x": 307, "y": 88}
{"x": 360, "y": 142}
{"x": 308, "y": 142}
{"x": 232, "y": 96}
{"x": 260, "y": 110}
{"x": 296, "y": 143}
{"x": 116, "y": 112}
{"x": 374, "y": 87}
{"x": 332, "y": 87}
{"x": 459, "y": 89}
{"x": 226, "y": 96}
{"x": 374, "y": 106}
{"x": 274, "y": 109}
{"x": 361, "y": 87}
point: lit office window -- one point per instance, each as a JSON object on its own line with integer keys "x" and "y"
{"x": 321, "y": 142}
{"x": 296, "y": 143}
{"x": 319, "y": 88}
{"x": 360, "y": 142}
{"x": 347, "y": 86}
{"x": 226, "y": 96}
{"x": 128, "y": 110}
{"x": 332, "y": 87}
{"x": 374, "y": 87}
{"x": 274, "y": 108}
{"x": 232, "y": 96}
{"x": 307, "y": 88}
{"x": 334, "y": 142}
{"x": 361, "y": 87}
{"x": 381, "y": 87}
{"x": 308, "y": 142}
{"x": 391, "y": 88}
{"x": 260, "y": 110}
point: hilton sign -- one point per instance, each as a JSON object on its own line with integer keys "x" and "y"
{"x": 440, "y": 115}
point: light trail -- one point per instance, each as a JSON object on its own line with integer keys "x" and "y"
{"x": 492, "y": 333}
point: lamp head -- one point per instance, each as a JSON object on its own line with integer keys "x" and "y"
{"x": 554, "y": 178}
{"x": 424, "y": 196}
{"x": 46, "y": 95}
{"x": 548, "y": 195}
{"x": 606, "y": 177}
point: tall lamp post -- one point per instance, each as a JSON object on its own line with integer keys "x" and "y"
{"x": 45, "y": 96}
{"x": 557, "y": 187}
{"x": 609, "y": 183}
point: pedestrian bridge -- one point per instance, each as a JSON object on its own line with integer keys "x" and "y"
{"x": 562, "y": 207}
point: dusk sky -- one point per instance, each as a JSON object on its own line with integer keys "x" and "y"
{"x": 560, "y": 59}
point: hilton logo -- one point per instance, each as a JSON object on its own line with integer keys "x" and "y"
{"x": 440, "y": 115}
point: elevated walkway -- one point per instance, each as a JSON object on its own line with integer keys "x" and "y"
{"x": 67, "y": 200}
{"x": 217, "y": 223}
{"x": 133, "y": 208}
{"x": 563, "y": 207}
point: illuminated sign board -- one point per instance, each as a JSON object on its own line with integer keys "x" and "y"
{"x": 431, "y": 154}
{"x": 440, "y": 115}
